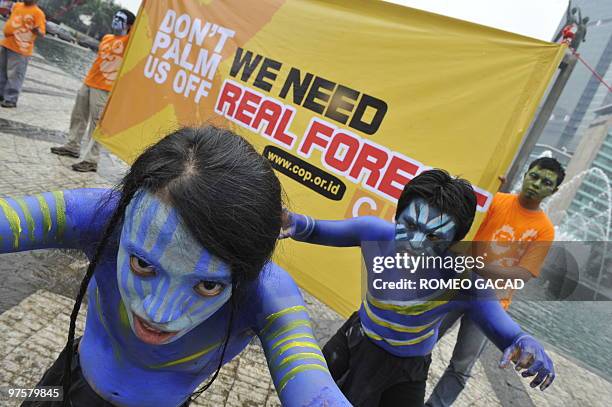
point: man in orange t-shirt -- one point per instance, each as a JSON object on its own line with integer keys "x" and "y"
{"x": 26, "y": 22}
{"x": 91, "y": 98}
{"x": 515, "y": 235}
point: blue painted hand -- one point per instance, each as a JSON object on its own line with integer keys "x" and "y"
{"x": 527, "y": 353}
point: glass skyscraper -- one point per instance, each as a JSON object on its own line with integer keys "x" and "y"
{"x": 584, "y": 93}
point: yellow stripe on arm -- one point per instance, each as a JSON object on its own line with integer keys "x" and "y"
{"x": 60, "y": 213}
{"x": 291, "y": 337}
{"x": 290, "y": 326}
{"x": 46, "y": 214}
{"x": 291, "y": 345}
{"x": 291, "y": 374}
{"x": 27, "y": 215}
{"x": 13, "y": 219}
{"x": 300, "y": 356}
{"x": 273, "y": 317}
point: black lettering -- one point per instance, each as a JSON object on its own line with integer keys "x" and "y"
{"x": 315, "y": 94}
{"x": 338, "y": 101}
{"x": 299, "y": 87}
{"x": 245, "y": 64}
{"x": 266, "y": 72}
{"x": 366, "y": 102}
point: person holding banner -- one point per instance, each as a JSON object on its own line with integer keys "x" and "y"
{"x": 381, "y": 355}
{"x": 91, "y": 98}
{"x": 179, "y": 280}
{"x": 516, "y": 235}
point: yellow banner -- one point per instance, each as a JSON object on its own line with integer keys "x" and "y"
{"x": 348, "y": 100}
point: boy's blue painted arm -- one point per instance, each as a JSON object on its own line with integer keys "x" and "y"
{"x": 296, "y": 363}
{"x": 343, "y": 233}
{"x": 62, "y": 219}
{"x": 517, "y": 346}
{"x": 494, "y": 322}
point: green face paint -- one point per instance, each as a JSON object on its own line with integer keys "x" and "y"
{"x": 538, "y": 184}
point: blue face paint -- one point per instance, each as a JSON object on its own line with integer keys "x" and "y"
{"x": 119, "y": 24}
{"x": 168, "y": 282}
{"x": 424, "y": 228}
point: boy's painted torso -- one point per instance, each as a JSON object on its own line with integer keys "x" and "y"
{"x": 404, "y": 321}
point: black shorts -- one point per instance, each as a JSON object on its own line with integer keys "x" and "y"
{"x": 81, "y": 394}
{"x": 368, "y": 375}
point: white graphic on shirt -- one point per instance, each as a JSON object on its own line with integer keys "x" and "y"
{"x": 502, "y": 241}
{"x": 23, "y": 25}
{"x": 112, "y": 56}
{"x": 529, "y": 235}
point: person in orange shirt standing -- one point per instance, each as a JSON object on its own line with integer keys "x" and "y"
{"x": 515, "y": 235}
{"x": 27, "y": 21}
{"x": 91, "y": 98}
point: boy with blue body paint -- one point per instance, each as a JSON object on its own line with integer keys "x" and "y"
{"x": 381, "y": 355}
{"x": 180, "y": 278}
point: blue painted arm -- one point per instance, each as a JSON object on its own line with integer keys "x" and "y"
{"x": 297, "y": 366}
{"x": 494, "y": 322}
{"x": 63, "y": 219}
{"x": 517, "y": 346}
{"x": 343, "y": 233}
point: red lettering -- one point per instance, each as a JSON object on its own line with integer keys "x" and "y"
{"x": 351, "y": 146}
{"x": 270, "y": 112}
{"x": 312, "y": 137}
{"x": 370, "y": 158}
{"x": 245, "y": 107}
{"x": 229, "y": 97}
{"x": 399, "y": 172}
{"x": 481, "y": 199}
{"x": 281, "y": 134}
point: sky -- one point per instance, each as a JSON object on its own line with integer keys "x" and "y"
{"x": 533, "y": 18}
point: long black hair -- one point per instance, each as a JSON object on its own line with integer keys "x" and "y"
{"x": 226, "y": 195}
{"x": 453, "y": 196}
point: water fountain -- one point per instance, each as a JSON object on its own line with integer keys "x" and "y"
{"x": 592, "y": 220}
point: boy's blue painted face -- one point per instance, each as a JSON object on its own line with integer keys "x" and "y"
{"x": 168, "y": 282}
{"x": 424, "y": 228}
{"x": 119, "y": 23}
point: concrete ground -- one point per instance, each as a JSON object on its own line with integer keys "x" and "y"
{"x": 36, "y": 287}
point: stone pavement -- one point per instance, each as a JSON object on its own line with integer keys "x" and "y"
{"x": 36, "y": 287}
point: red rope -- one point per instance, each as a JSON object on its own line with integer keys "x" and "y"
{"x": 598, "y": 76}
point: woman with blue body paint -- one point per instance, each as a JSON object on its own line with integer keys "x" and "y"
{"x": 180, "y": 278}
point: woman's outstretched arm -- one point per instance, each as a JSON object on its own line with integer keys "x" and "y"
{"x": 71, "y": 219}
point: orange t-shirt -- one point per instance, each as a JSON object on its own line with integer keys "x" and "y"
{"x": 514, "y": 236}
{"x": 18, "y": 35}
{"x": 105, "y": 68}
